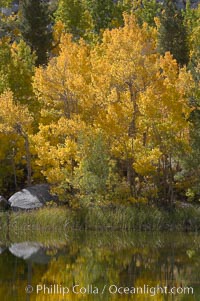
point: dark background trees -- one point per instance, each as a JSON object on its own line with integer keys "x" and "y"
{"x": 172, "y": 33}
{"x": 35, "y": 25}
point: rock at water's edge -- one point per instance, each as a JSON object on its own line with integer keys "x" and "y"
{"x": 31, "y": 197}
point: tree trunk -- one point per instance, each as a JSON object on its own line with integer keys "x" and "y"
{"x": 28, "y": 159}
{"x": 131, "y": 174}
{"x": 14, "y": 170}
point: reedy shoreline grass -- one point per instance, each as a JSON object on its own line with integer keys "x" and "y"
{"x": 123, "y": 218}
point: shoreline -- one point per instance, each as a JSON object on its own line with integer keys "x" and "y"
{"x": 122, "y": 218}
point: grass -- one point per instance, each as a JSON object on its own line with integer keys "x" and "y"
{"x": 51, "y": 219}
{"x": 143, "y": 218}
{"x": 124, "y": 218}
{"x": 4, "y": 219}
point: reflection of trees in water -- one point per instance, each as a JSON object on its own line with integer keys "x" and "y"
{"x": 126, "y": 267}
{"x": 14, "y": 276}
{"x": 108, "y": 259}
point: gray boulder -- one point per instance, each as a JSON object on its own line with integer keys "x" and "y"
{"x": 31, "y": 197}
{"x": 4, "y": 205}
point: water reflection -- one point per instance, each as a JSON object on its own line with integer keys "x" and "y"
{"x": 92, "y": 260}
{"x": 31, "y": 251}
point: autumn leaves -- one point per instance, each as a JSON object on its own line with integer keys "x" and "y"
{"x": 117, "y": 101}
{"x": 124, "y": 91}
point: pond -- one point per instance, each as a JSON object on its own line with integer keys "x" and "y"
{"x": 100, "y": 266}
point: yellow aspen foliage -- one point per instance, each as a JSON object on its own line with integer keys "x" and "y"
{"x": 56, "y": 147}
{"x": 13, "y": 115}
{"x": 58, "y": 31}
{"x": 16, "y": 120}
{"x": 122, "y": 88}
{"x": 55, "y": 84}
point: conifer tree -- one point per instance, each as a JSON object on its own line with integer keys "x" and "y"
{"x": 75, "y": 17}
{"x": 102, "y": 12}
{"x": 146, "y": 11}
{"x": 173, "y": 34}
{"x": 35, "y": 27}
